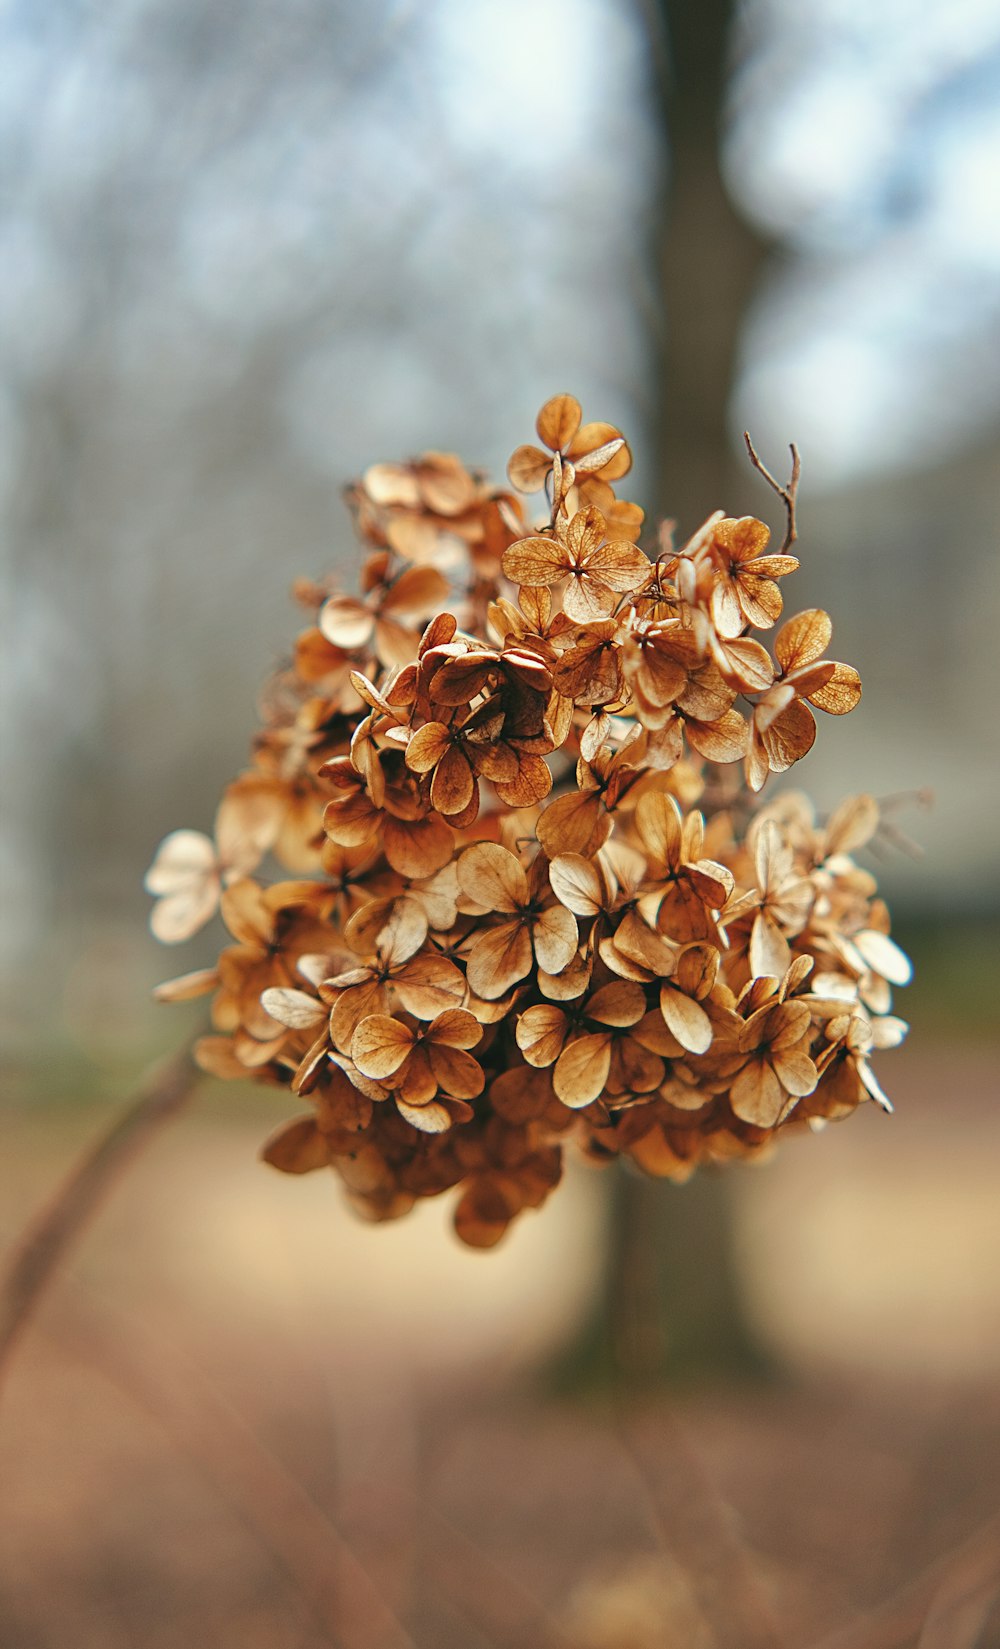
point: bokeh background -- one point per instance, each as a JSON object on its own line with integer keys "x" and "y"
{"x": 246, "y": 249}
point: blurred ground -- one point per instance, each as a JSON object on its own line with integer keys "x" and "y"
{"x": 244, "y": 1419}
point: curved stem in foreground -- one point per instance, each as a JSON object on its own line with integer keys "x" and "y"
{"x": 49, "y": 1236}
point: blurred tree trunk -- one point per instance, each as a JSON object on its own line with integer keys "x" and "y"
{"x": 708, "y": 260}
{"x": 671, "y": 1301}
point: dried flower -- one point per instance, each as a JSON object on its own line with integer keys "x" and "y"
{"x": 537, "y": 907}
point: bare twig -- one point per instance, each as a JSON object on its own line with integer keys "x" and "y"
{"x": 328, "y": 1579}
{"x": 787, "y": 494}
{"x": 701, "y": 1532}
{"x": 44, "y": 1244}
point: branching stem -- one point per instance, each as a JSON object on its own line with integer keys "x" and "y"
{"x": 45, "y": 1243}
{"x": 787, "y": 494}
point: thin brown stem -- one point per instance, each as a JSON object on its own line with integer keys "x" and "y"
{"x": 787, "y": 494}
{"x": 970, "y": 1567}
{"x": 44, "y": 1245}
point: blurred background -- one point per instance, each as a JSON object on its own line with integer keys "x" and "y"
{"x": 245, "y": 250}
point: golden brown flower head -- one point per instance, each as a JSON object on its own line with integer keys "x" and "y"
{"x": 540, "y": 906}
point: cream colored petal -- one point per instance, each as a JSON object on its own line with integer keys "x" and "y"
{"x": 346, "y": 622}
{"x": 183, "y": 858}
{"x": 576, "y": 883}
{"x": 296, "y": 1009}
{"x": 769, "y": 951}
{"x": 884, "y": 956}
{"x": 554, "y": 938}
{"x": 686, "y": 1020}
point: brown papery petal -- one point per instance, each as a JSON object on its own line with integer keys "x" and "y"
{"x": 535, "y": 561}
{"x": 217, "y": 1056}
{"x": 725, "y": 740}
{"x": 574, "y": 824}
{"x": 426, "y": 746}
{"x": 852, "y": 824}
{"x": 528, "y": 467}
{"x": 498, "y": 959}
{"x": 570, "y": 982}
{"x": 492, "y": 877}
{"x": 761, "y": 601}
{"x": 742, "y": 538}
{"x": 455, "y": 1028}
{"x": 686, "y": 1020}
{"x": 558, "y": 421}
{"x": 697, "y": 970}
{"x": 803, "y": 639}
{"x": 530, "y": 784}
{"x": 395, "y": 927}
{"x": 423, "y": 543}
{"x": 540, "y": 1034}
{"x": 636, "y": 940}
{"x": 394, "y": 642}
{"x": 187, "y": 986}
{"x": 757, "y": 1096}
{"x": 403, "y": 932}
{"x": 581, "y": 1070}
{"x": 769, "y": 953}
{"x": 482, "y": 1216}
{"x": 620, "y": 566}
{"x": 841, "y": 692}
{"x": 590, "y": 438}
{"x": 380, "y": 1045}
{"x": 586, "y": 597}
{"x": 433, "y": 1118}
{"x": 790, "y": 736}
{"x": 658, "y": 820}
{"x": 346, "y": 622}
{"x": 796, "y": 1071}
{"x": 554, "y": 937}
{"x": 618, "y": 1003}
{"x": 416, "y": 593}
{"x": 453, "y": 785}
{"x": 750, "y": 664}
{"x": 458, "y": 1073}
{"x": 298, "y": 1148}
{"x": 246, "y": 913}
{"x": 417, "y": 847}
{"x": 430, "y": 985}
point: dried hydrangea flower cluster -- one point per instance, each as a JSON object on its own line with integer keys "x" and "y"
{"x": 530, "y": 899}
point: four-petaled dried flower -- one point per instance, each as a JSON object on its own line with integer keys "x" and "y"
{"x": 538, "y": 905}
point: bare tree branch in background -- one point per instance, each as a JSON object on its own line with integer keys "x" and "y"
{"x": 50, "y": 1236}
